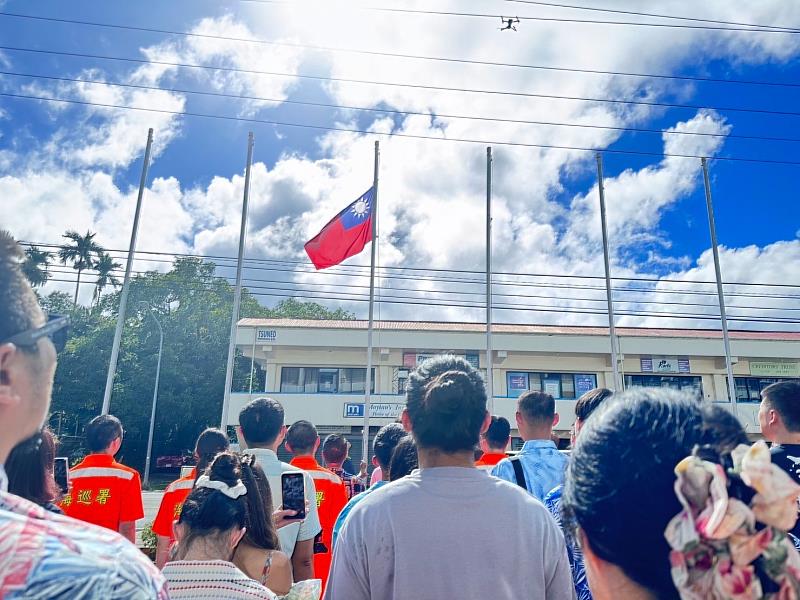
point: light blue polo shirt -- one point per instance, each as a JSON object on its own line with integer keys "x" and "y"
{"x": 542, "y": 464}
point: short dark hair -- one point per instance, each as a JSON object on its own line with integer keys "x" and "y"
{"x": 261, "y": 421}
{"x": 620, "y": 482}
{"x": 446, "y": 403}
{"x": 334, "y": 449}
{"x": 30, "y": 468}
{"x": 101, "y": 431}
{"x": 590, "y": 401}
{"x": 784, "y": 398}
{"x": 404, "y": 458}
{"x": 19, "y": 308}
{"x": 385, "y": 442}
{"x": 498, "y": 433}
{"x": 302, "y": 436}
{"x": 537, "y": 407}
{"x": 209, "y": 443}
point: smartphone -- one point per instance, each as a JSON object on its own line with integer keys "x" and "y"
{"x": 61, "y": 473}
{"x": 294, "y": 494}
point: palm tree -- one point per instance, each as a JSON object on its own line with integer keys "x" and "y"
{"x": 35, "y": 265}
{"x": 105, "y": 267}
{"x": 81, "y": 252}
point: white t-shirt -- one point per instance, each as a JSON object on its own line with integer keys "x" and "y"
{"x": 307, "y": 529}
{"x": 450, "y": 532}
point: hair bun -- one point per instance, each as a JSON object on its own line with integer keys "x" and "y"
{"x": 226, "y": 468}
{"x": 445, "y": 393}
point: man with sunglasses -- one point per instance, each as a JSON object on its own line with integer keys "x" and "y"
{"x": 45, "y": 555}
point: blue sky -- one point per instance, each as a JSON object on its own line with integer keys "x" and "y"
{"x": 432, "y": 191}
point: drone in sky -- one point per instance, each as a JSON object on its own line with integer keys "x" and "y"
{"x": 508, "y": 23}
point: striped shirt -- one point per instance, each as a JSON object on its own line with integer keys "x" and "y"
{"x": 218, "y": 579}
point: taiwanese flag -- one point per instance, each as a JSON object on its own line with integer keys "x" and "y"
{"x": 345, "y": 235}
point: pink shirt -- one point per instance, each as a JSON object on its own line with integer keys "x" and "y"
{"x": 377, "y": 475}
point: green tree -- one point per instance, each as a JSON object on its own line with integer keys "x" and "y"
{"x": 82, "y": 253}
{"x": 36, "y": 265}
{"x": 105, "y": 267}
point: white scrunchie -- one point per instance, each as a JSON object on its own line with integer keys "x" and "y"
{"x": 232, "y": 492}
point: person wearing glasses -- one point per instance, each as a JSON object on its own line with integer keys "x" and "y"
{"x": 43, "y": 554}
{"x": 103, "y": 491}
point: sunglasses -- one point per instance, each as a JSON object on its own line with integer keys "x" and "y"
{"x": 56, "y": 328}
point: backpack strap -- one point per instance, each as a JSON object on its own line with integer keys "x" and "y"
{"x": 519, "y": 474}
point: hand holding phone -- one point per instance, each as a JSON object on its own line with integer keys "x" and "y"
{"x": 61, "y": 473}
{"x": 294, "y": 495}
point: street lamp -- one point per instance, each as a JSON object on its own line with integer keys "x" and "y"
{"x": 155, "y": 393}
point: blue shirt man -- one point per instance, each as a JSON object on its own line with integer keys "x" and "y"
{"x": 542, "y": 464}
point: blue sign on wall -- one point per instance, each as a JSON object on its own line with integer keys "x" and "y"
{"x": 584, "y": 383}
{"x": 353, "y": 410}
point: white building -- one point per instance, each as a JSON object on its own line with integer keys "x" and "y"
{"x": 316, "y": 369}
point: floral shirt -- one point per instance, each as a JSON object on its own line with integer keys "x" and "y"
{"x": 46, "y": 555}
{"x": 553, "y": 503}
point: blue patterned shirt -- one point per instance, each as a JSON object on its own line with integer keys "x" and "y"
{"x": 542, "y": 464}
{"x": 45, "y": 555}
{"x": 553, "y": 503}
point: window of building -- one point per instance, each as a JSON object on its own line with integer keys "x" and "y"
{"x": 562, "y": 386}
{"x": 325, "y": 380}
{"x": 676, "y": 382}
{"x": 748, "y": 389}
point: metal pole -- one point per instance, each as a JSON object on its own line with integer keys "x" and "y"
{"x": 155, "y": 398}
{"x": 368, "y": 381}
{"x": 253, "y": 360}
{"x": 720, "y": 294}
{"x": 237, "y": 294}
{"x": 618, "y": 384}
{"x": 126, "y": 287}
{"x": 489, "y": 350}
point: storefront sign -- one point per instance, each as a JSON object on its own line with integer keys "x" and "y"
{"x": 665, "y": 364}
{"x": 377, "y": 410}
{"x": 583, "y": 384}
{"x": 266, "y": 335}
{"x": 774, "y": 368}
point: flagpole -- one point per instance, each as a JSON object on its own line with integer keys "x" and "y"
{"x": 618, "y": 384}
{"x": 489, "y": 350}
{"x": 237, "y": 294}
{"x": 725, "y": 338}
{"x": 368, "y": 381}
{"x": 126, "y": 283}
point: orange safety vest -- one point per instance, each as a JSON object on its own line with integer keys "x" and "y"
{"x": 489, "y": 460}
{"x": 331, "y": 499}
{"x": 103, "y": 492}
{"x": 171, "y": 505}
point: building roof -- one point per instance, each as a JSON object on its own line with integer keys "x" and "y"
{"x": 517, "y": 329}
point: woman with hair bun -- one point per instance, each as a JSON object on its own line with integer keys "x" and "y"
{"x": 448, "y": 529}
{"x": 209, "y": 443}
{"x": 669, "y": 501}
{"x": 211, "y": 525}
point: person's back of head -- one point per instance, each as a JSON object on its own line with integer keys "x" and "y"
{"x": 536, "y": 415}
{"x": 209, "y": 443}
{"x": 446, "y": 404}
{"x": 496, "y": 437}
{"x": 586, "y": 405}
{"x": 335, "y": 449}
{"x": 385, "y": 442}
{"x": 261, "y": 531}
{"x": 302, "y": 438}
{"x": 104, "y": 434}
{"x": 779, "y": 414}
{"x": 215, "y": 512}
{"x": 404, "y": 459}
{"x": 261, "y": 422}
{"x": 30, "y": 469}
{"x": 620, "y": 484}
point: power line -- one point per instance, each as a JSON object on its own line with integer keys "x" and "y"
{"x": 448, "y": 13}
{"x": 398, "y": 135}
{"x": 385, "y": 54}
{"x": 351, "y": 270}
{"x": 437, "y": 115}
{"x": 660, "y": 16}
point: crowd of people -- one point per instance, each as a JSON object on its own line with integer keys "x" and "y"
{"x": 660, "y": 496}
